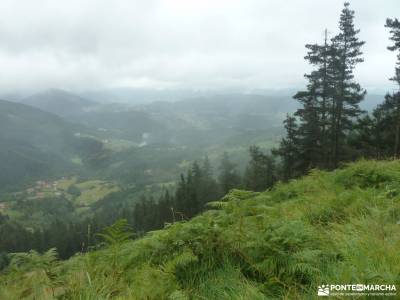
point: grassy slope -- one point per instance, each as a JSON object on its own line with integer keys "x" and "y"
{"x": 340, "y": 227}
{"x": 94, "y": 190}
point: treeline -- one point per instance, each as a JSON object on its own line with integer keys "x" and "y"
{"x": 68, "y": 237}
{"x": 200, "y": 186}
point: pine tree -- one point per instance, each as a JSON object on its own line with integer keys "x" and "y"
{"x": 139, "y": 214}
{"x": 385, "y": 119}
{"x": 394, "y": 26}
{"x": 392, "y": 102}
{"x": 194, "y": 191}
{"x": 208, "y": 189}
{"x": 260, "y": 172}
{"x": 207, "y": 168}
{"x": 228, "y": 176}
{"x": 181, "y": 197}
{"x": 164, "y": 207}
{"x": 380, "y": 133}
{"x": 320, "y": 100}
{"x": 309, "y": 131}
{"x": 288, "y": 149}
{"x": 194, "y": 181}
{"x": 346, "y": 54}
{"x": 306, "y": 145}
{"x": 367, "y": 139}
{"x": 187, "y": 202}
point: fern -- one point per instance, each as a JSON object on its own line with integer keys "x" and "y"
{"x": 39, "y": 272}
{"x": 117, "y": 234}
{"x": 217, "y": 204}
{"x": 180, "y": 261}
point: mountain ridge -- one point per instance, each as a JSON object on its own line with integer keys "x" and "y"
{"x": 59, "y": 102}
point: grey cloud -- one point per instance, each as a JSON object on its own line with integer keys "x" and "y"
{"x": 178, "y": 43}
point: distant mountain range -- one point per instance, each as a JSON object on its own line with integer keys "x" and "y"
{"x": 59, "y": 102}
{"x": 163, "y": 118}
{"x": 173, "y": 121}
{"x": 46, "y": 133}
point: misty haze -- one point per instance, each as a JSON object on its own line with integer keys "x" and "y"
{"x": 198, "y": 149}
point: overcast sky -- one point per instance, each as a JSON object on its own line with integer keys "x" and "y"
{"x": 199, "y": 44}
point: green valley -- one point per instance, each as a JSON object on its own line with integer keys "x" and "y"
{"x": 32, "y": 207}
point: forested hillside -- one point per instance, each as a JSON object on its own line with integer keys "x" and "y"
{"x": 328, "y": 227}
{"x": 34, "y": 144}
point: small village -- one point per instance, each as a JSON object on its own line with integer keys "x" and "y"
{"x": 44, "y": 188}
{"x": 81, "y": 193}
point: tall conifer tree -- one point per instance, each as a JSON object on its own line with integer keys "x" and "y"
{"x": 228, "y": 177}
{"x": 393, "y": 101}
{"x": 348, "y": 93}
{"x": 260, "y": 172}
{"x": 288, "y": 149}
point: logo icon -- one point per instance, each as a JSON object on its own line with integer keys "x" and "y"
{"x": 359, "y": 287}
{"x": 323, "y": 290}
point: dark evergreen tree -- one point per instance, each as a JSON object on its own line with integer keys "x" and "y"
{"x": 181, "y": 198}
{"x": 392, "y": 102}
{"x": 208, "y": 190}
{"x": 385, "y": 122}
{"x": 309, "y": 131}
{"x": 260, "y": 172}
{"x": 320, "y": 56}
{"x": 165, "y": 209}
{"x": 229, "y": 177}
{"x": 346, "y": 54}
{"x": 319, "y": 135}
{"x": 367, "y": 136}
{"x": 193, "y": 180}
{"x": 379, "y": 134}
{"x": 288, "y": 150}
{"x": 306, "y": 144}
